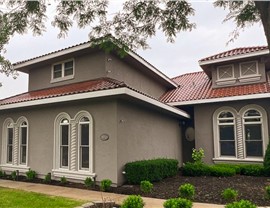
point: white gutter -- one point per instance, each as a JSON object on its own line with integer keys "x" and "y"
{"x": 231, "y": 58}
{"x": 96, "y": 94}
{"x": 73, "y": 49}
{"x": 224, "y": 99}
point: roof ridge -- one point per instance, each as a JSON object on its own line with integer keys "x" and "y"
{"x": 189, "y": 73}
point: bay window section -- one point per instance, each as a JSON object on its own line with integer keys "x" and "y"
{"x": 64, "y": 143}
{"x": 84, "y": 125}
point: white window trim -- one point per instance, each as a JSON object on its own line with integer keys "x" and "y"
{"x": 62, "y": 78}
{"x": 19, "y": 122}
{"x": 223, "y": 66}
{"x": 4, "y": 140}
{"x": 216, "y": 132}
{"x": 252, "y": 75}
{"x": 264, "y": 123}
{"x": 78, "y": 117}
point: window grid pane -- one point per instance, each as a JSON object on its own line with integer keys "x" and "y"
{"x": 23, "y": 154}
{"x": 57, "y": 71}
{"x": 68, "y": 68}
{"x": 84, "y": 143}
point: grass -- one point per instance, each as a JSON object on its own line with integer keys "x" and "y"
{"x": 11, "y": 198}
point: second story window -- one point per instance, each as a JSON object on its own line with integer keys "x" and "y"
{"x": 63, "y": 71}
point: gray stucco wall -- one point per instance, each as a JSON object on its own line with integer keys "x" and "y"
{"x": 145, "y": 134}
{"x": 203, "y": 118}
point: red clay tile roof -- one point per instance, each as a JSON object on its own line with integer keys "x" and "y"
{"x": 82, "y": 87}
{"x": 198, "y": 86}
{"x": 235, "y": 52}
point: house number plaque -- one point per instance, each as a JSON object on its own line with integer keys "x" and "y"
{"x": 104, "y": 137}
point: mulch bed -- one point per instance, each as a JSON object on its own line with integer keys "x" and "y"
{"x": 208, "y": 189}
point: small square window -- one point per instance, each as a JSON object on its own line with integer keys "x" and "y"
{"x": 57, "y": 71}
{"x": 225, "y": 72}
{"x": 68, "y": 70}
{"x": 249, "y": 68}
{"x": 63, "y": 71}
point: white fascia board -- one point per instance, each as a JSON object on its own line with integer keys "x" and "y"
{"x": 231, "y": 58}
{"x": 87, "y": 45}
{"x": 97, "y": 94}
{"x": 224, "y": 99}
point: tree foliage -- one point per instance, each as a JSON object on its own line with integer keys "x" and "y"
{"x": 132, "y": 26}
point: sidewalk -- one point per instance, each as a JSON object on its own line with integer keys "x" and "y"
{"x": 86, "y": 194}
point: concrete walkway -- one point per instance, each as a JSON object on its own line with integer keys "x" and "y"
{"x": 87, "y": 195}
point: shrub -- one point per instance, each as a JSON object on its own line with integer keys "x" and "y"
{"x": 229, "y": 194}
{"x": 266, "y": 161}
{"x": 133, "y": 201}
{"x": 241, "y": 204}
{"x": 47, "y": 178}
{"x": 252, "y": 170}
{"x": 187, "y": 191}
{"x": 31, "y": 175}
{"x": 63, "y": 180}
{"x": 220, "y": 171}
{"x": 236, "y": 167}
{"x": 197, "y": 155}
{"x": 1, "y": 174}
{"x": 196, "y": 169}
{"x": 88, "y": 182}
{"x": 150, "y": 170}
{"x": 105, "y": 184}
{"x": 14, "y": 175}
{"x": 267, "y": 191}
{"x": 177, "y": 203}
{"x": 146, "y": 186}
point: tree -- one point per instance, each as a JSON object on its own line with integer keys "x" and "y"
{"x": 137, "y": 21}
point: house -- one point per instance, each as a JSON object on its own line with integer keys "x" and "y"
{"x": 87, "y": 112}
{"x": 229, "y": 102}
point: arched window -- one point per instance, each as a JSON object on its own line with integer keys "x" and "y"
{"x": 64, "y": 143}
{"x": 226, "y": 133}
{"x": 84, "y": 135}
{"x": 253, "y": 133}
{"x": 10, "y": 137}
{"x": 23, "y": 141}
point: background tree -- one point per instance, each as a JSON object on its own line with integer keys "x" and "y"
{"x": 133, "y": 25}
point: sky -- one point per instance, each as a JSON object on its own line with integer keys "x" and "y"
{"x": 210, "y": 37}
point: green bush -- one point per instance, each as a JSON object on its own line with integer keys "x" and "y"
{"x": 219, "y": 171}
{"x": 14, "y": 175}
{"x": 241, "y": 204}
{"x": 133, "y": 201}
{"x": 105, "y": 184}
{"x": 88, "y": 182}
{"x": 252, "y": 170}
{"x": 266, "y": 161}
{"x": 187, "y": 191}
{"x": 198, "y": 155}
{"x": 1, "y": 174}
{"x": 47, "y": 178}
{"x": 229, "y": 195}
{"x": 63, "y": 180}
{"x": 150, "y": 170}
{"x": 146, "y": 186}
{"x": 267, "y": 192}
{"x": 31, "y": 175}
{"x": 236, "y": 167}
{"x": 196, "y": 169}
{"x": 177, "y": 203}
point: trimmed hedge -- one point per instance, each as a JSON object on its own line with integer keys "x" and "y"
{"x": 266, "y": 161}
{"x": 150, "y": 170}
{"x": 221, "y": 171}
{"x": 243, "y": 169}
{"x": 196, "y": 169}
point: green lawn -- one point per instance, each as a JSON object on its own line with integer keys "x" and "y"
{"x": 10, "y": 198}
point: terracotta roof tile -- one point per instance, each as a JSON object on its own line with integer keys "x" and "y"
{"x": 82, "y": 87}
{"x": 198, "y": 86}
{"x": 235, "y": 52}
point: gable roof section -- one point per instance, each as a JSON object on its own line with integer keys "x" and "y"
{"x": 101, "y": 87}
{"x": 236, "y": 53}
{"x": 196, "y": 88}
{"x": 86, "y": 45}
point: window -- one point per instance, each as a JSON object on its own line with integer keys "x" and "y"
{"x": 226, "y": 127}
{"x": 253, "y": 133}
{"x": 84, "y": 143}
{"x": 240, "y": 135}
{"x": 248, "y": 69}
{"x": 23, "y": 142}
{"x": 63, "y": 71}
{"x": 10, "y": 134}
{"x": 64, "y": 143}
{"x": 225, "y": 72}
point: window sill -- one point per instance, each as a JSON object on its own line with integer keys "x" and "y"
{"x": 77, "y": 175}
{"x": 226, "y": 81}
{"x": 250, "y": 78}
{"x": 10, "y": 167}
{"x": 236, "y": 160}
{"x": 61, "y": 79}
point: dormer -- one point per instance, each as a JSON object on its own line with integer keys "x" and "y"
{"x": 239, "y": 66}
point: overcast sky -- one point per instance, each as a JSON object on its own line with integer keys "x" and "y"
{"x": 210, "y": 37}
